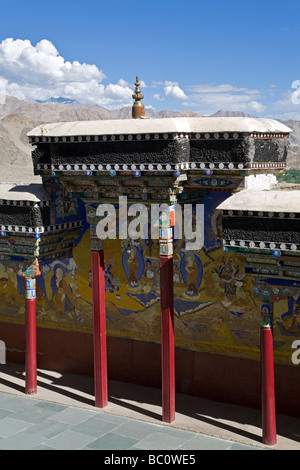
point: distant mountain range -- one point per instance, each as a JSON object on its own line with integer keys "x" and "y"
{"x": 75, "y": 103}
{"x": 19, "y": 117}
{"x": 59, "y": 100}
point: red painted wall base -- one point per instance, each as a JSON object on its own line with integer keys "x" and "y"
{"x": 213, "y": 376}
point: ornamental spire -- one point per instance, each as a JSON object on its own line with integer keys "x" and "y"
{"x": 138, "y": 109}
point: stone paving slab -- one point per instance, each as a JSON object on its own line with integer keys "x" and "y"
{"x": 62, "y": 414}
{"x": 36, "y": 425}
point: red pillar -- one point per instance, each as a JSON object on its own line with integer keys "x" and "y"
{"x": 269, "y": 436}
{"x": 31, "y": 350}
{"x": 99, "y": 328}
{"x": 167, "y": 324}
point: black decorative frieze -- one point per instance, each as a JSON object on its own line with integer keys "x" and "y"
{"x": 24, "y": 216}
{"x": 159, "y": 152}
{"x": 126, "y": 152}
{"x": 261, "y": 229}
{"x": 262, "y": 150}
{"x": 215, "y": 150}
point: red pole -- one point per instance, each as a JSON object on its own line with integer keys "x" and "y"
{"x": 167, "y": 339}
{"x": 99, "y": 329}
{"x": 269, "y": 436}
{"x": 167, "y": 321}
{"x": 31, "y": 349}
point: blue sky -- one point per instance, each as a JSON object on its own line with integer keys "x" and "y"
{"x": 196, "y": 55}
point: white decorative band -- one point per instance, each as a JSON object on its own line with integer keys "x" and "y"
{"x": 261, "y": 214}
{"x": 30, "y": 292}
{"x": 162, "y": 167}
{"x": 266, "y": 165}
{"x": 156, "y": 136}
{"x": 8, "y": 202}
{"x": 48, "y": 228}
{"x": 261, "y": 245}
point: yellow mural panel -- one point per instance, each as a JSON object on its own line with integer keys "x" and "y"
{"x": 214, "y": 305}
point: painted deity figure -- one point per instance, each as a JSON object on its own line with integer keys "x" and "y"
{"x": 111, "y": 281}
{"x": 133, "y": 265}
{"x": 192, "y": 276}
{"x": 63, "y": 298}
{"x": 6, "y": 287}
{"x": 191, "y": 272}
{"x": 291, "y": 319}
{"x": 65, "y": 205}
{"x": 227, "y": 273}
{"x": 227, "y": 282}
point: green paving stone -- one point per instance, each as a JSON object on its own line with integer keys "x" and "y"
{"x": 34, "y": 414}
{"x": 70, "y": 440}
{"x": 4, "y": 396}
{"x": 159, "y": 441}
{"x": 95, "y": 427}
{"x": 21, "y": 441}
{"x": 10, "y": 426}
{"x": 30, "y": 424}
{"x": 72, "y": 415}
{"x": 111, "y": 418}
{"x": 237, "y": 446}
{"x": 51, "y": 406}
{"x": 42, "y": 447}
{"x": 136, "y": 429}
{"x": 48, "y": 429}
{"x": 112, "y": 441}
{"x": 180, "y": 433}
{"x": 4, "y": 414}
{"x": 16, "y": 404}
{"x": 202, "y": 442}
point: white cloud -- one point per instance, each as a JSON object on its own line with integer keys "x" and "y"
{"x": 39, "y": 72}
{"x": 155, "y": 84}
{"x": 3, "y": 86}
{"x": 212, "y": 88}
{"x": 22, "y": 62}
{"x": 257, "y": 107}
{"x": 123, "y": 82}
{"x": 173, "y": 90}
{"x": 143, "y": 84}
{"x": 158, "y": 97}
{"x": 210, "y": 98}
{"x": 288, "y": 107}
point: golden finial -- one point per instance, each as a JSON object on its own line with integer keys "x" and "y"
{"x": 138, "y": 109}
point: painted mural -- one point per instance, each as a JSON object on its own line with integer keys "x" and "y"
{"x": 217, "y": 307}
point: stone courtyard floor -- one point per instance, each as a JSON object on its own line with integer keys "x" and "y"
{"x": 62, "y": 416}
